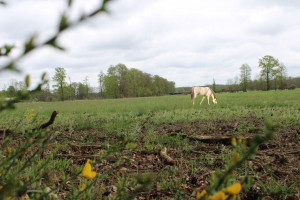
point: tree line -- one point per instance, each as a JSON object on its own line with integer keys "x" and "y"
{"x": 122, "y": 82}
{"x": 119, "y": 82}
{"x": 273, "y": 76}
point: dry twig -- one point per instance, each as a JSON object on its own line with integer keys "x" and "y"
{"x": 164, "y": 155}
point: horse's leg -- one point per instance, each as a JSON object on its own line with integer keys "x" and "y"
{"x": 194, "y": 97}
{"x": 202, "y": 100}
{"x": 208, "y": 100}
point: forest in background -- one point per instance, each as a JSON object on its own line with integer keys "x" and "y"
{"x": 257, "y": 84}
{"x": 121, "y": 82}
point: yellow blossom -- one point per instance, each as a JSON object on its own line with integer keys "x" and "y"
{"x": 233, "y": 142}
{"x": 22, "y": 153}
{"x": 240, "y": 139}
{"x": 219, "y": 196}
{"x": 82, "y": 187}
{"x": 235, "y": 157}
{"x": 234, "y": 189}
{"x": 213, "y": 175}
{"x": 87, "y": 171}
{"x": 1, "y": 187}
{"x": 8, "y": 151}
{"x": 202, "y": 194}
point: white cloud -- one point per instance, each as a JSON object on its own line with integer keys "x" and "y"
{"x": 189, "y": 42}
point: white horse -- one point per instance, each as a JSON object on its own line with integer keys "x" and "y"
{"x": 205, "y": 92}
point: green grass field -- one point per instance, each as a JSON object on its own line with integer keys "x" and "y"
{"x": 283, "y": 105}
{"x": 145, "y": 125}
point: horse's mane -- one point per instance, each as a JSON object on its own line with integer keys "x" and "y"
{"x": 213, "y": 93}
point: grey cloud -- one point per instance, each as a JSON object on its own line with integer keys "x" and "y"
{"x": 187, "y": 42}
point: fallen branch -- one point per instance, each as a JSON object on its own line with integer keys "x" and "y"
{"x": 82, "y": 146}
{"x": 6, "y": 132}
{"x": 51, "y": 120}
{"x": 214, "y": 139}
{"x": 164, "y": 155}
{"x": 77, "y": 156}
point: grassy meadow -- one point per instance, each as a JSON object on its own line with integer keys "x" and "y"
{"x": 130, "y": 133}
{"x": 283, "y": 105}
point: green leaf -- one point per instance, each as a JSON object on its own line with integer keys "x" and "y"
{"x": 11, "y": 67}
{"x": 30, "y": 44}
{"x": 5, "y": 50}
{"x": 63, "y": 24}
{"x": 27, "y": 80}
{"x": 70, "y": 2}
{"x": 44, "y": 75}
{"x": 53, "y": 43}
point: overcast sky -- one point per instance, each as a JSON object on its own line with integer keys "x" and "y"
{"x": 189, "y": 42}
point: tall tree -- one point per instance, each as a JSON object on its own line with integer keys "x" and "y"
{"x": 236, "y": 83}
{"x": 279, "y": 75}
{"x": 87, "y": 89}
{"x": 267, "y": 65}
{"x": 111, "y": 87}
{"x": 101, "y": 76}
{"x": 119, "y": 73}
{"x": 245, "y": 76}
{"x": 213, "y": 87}
{"x": 229, "y": 84}
{"x": 71, "y": 90}
{"x": 11, "y": 91}
{"x": 59, "y": 78}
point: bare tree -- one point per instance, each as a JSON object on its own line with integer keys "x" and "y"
{"x": 245, "y": 76}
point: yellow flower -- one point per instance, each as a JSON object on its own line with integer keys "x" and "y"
{"x": 87, "y": 171}
{"x": 219, "y": 196}
{"x": 213, "y": 175}
{"x": 82, "y": 187}
{"x": 202, "y": 194}
{"x": 233, "y": 142}
{"x": 22, "y": 153}
{"x": 8, "y": 151}
{"x": 235, "y": 157}
{"x": 234, "y": 189}
{"x": 240, "y": 139}
{"x": 1, "y": 187}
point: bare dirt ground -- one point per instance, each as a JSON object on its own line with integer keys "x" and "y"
{"x": 277, "y": 160}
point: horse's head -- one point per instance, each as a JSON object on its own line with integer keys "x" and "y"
{"x": 215, "y": 100}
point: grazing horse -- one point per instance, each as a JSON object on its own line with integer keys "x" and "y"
{"x": 205, "y": 92}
